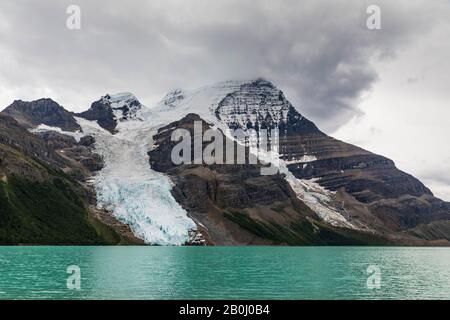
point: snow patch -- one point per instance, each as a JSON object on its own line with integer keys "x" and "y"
{"x": 303, "y": 159}
{"x": 77, "y": 135}
{"x": 203, "y": 101}
{"x": 316, "y": 197}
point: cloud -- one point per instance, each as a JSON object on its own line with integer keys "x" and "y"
{"x": 319, "y": 52}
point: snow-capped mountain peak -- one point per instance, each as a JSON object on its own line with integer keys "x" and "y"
{"x": 235, "y": 104}
{"x": 114, "y": 109}
{"x": 172, "y": 97}
{"x": 124, "y": 106}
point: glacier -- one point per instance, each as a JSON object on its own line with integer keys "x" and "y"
{"x": 128, "y": 188}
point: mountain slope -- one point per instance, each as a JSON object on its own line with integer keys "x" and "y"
{"x": 42, "y": 111}
{"x": 112, "y": 109}
{"x": 39, "y": 203}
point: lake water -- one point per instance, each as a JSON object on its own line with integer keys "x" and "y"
{"x": 226, "y": 272}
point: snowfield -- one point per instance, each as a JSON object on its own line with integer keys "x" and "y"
{"x": 44, "y": 128}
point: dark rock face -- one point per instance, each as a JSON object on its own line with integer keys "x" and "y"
{"x": 80, "y": 156}
{"x": 87, "y": 141}
{"x": 367, "y": 177}
{"x": 103, "y": 114}
{"x": 371, "y": 179}
{"x": 85, "y": 156}
{"x": 111, "y": 109}
{"x": 408, "y": 212}
{"x": 260, "y": 105}
{"x": 56, "y": 140}
{"x": 14, "y": 136}
{"x": 433, "y": 231}
{"x": 42, "y": 111}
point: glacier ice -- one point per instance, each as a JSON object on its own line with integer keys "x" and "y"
{"x": 133, "y": 192}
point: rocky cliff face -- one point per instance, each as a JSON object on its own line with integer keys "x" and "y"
{"x": 111, "y": 109}
{"x": 42, "y": 111}
{"x": 260, "y": 105}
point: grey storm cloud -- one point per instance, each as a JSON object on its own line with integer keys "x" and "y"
{"x": 320, "y": 53}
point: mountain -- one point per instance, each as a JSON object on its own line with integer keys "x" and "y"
{"x": 234, "y": 204}
{"x": 42, "y": 111}
{"x": 360, "y": 178}
{"x": 368, "y": 191}
{"x": 325, "y": 192}
{"x": 111, "y": 109}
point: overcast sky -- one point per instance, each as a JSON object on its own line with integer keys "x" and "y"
{"x": 385, "y": 90}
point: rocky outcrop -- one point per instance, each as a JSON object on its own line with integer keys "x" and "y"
{"x": 102, "y": 113}
{"x": 260, "y": 105}
{"x": 111, "y": 109}
{"x": 80, "y": 157}
{"x": 42, "y": 111}
{"x": 18, "y": 143}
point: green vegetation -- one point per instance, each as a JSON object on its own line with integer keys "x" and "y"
{"x": 51, "y": 212}
{"x": 303, "y": 232}
{"x": 273, "y": 231}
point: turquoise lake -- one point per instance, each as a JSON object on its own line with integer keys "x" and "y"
{"x": 225, "y": 272}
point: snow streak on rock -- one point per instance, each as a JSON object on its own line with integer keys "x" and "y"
{"x": 257, "y": 104}
{"x": 77, "y": 135}
{"x": 310, "y": 192}
{"x": 318, "y": 199}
